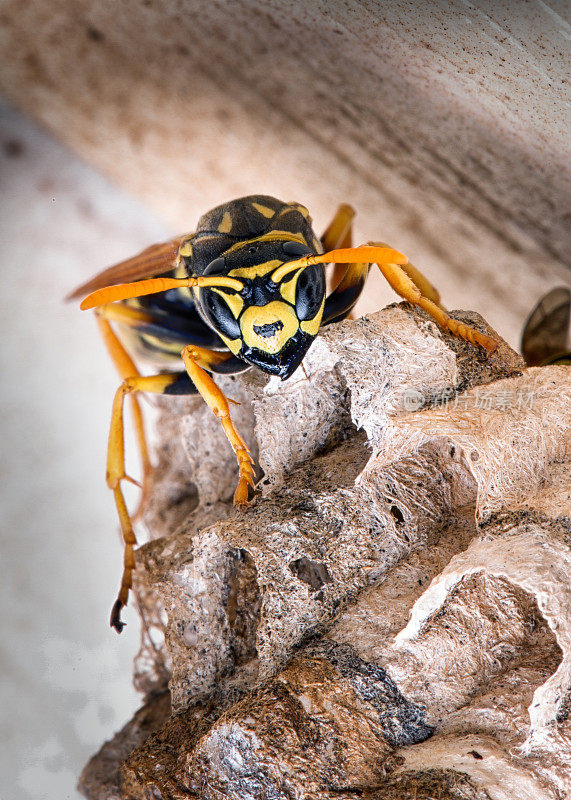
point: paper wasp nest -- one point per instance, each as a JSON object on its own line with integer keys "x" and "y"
{"x": 392, "y": 618}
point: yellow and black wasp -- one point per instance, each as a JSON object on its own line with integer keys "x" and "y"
{"x": 246, "y": 289}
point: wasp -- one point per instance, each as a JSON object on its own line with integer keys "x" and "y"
{"x": 545, "y": 337}
{"x": 246, "y": 289}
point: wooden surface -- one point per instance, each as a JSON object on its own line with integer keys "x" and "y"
{"x": 441, "y": 122}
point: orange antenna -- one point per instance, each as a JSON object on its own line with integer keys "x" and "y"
{"x": 124, "y": 291}
{"x": 349, "y": 255}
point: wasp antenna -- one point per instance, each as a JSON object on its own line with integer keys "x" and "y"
{"x": 367, "y": 254}
{"x": 348, "y": 255}
{"x": 124, "y": 291}
{"x": 229, "y": 283}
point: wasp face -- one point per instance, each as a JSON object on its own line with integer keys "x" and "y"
{"x": 270, "y": 325}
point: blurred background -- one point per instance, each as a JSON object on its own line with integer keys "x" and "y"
{"x": 442, "y": 123}
{"x": 65, "y": 683}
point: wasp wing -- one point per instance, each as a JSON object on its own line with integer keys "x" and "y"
{"x": 155, "y": 260}
{"x": 546, "y": 330}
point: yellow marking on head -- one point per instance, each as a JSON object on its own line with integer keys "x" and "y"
{"x": 234, "y": 345}
{"x": 287, "y": 288}
{"x": 311, "y": 326}
{"x": 185, "y": 249}
{"x": 256, "y": 271}
{"x": 256, "y": 316}
{"x": 271, "y": 236}
{"x": 182, "y": 272}
{"x": 264, "y": 210}
{"x": 233, "y": 301}
{"x": 226, "y": 224}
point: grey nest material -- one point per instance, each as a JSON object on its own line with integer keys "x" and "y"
{"x": 391, "y": 617}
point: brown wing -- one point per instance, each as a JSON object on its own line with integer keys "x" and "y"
{"x": 546, "y": 330}
{"x": 150, "y": 262}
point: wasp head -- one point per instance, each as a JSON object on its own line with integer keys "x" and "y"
{"x": 270, "y": 324}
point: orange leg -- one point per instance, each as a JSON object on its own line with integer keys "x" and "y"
{"x": 348, "y": 279}
{"x": 427, "y": 290}
{"x": 338, "y": 234}
{"x": 116, "y": 474}
{"x": 196, "y": 361}
{"x": 339, "y": 229}
{"x": 406, "y": 287}
{"x": 126, "y": 368}
{"x": 419, "y": 280}
{"x": 389, "y": 262}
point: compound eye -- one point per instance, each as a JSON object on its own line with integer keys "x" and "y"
{"x": 216, "y": 267}
{"x": 219, "y": 314}
{"x": 295, "y": 249}
{"x": 310, "y": 291}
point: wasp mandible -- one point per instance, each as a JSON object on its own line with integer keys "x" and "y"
{"x": 246, "y": 289}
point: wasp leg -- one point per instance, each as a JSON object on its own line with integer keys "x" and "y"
{"x": 126, "y": 368}
{"x": 406, "y": 287}
{"x": 348, "y": 279}
{"x": 170, "y": 383}
{"x": 197, "y": 360}
{"x": 422, "y": 283}
{"x": 338, "y": 234}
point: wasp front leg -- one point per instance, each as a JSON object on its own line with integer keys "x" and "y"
{"x": 197, "y": 360}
